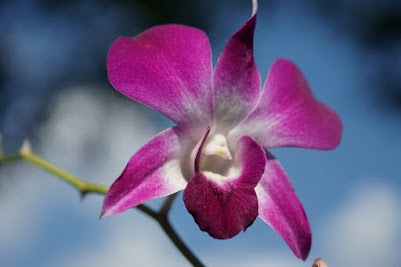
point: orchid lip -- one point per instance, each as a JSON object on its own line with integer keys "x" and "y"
{"x": 225, "y": 203}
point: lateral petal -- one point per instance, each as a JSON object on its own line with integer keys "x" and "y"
{"x": 289, "y": 115}
{"x": 168, "y": 68}
{"x": 156, "y": 170}
{"x": 236, "y": 80}
{"x": 225, "y": 205}
{"x": 280, "y": 208}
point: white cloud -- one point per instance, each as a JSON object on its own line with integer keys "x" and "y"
{"x": 129, "y": 239}
{"x": 91, "y": 135}
{"x": 96, "y": 136}
{"x": 18, "y": 211}
{"x": 366, "y": 231}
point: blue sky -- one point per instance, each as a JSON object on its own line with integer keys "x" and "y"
{"x": 352, "y": 195}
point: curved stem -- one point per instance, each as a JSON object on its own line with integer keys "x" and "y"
{"x": 167, "y": 204}
{"x": 84, "y": 188}
{"x": 180, "y": 245}
{"x": 164, "y": 222}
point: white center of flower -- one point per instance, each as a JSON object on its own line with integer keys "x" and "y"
{"x": 217, "y": 145}
{"x": 216, "y": 161}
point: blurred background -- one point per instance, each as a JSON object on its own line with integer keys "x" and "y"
{"x": 54, "y": 91}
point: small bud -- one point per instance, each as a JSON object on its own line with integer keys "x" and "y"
{"x": 26, "y": 147}
{"x": 319, "y": 263}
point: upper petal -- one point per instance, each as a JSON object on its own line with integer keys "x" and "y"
{"x": 280, "y": 207}
{"x": 236, "y": 80}
{"x": 156, "y": 170}
{"x": 225, "y": 205}
{"x": 289, "y": 115}
{"x": 167, "y": 68}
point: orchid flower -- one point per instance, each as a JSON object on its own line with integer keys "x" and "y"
{"x": 217, "y": 152}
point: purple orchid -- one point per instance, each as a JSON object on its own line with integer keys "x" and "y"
{"x": 217, "y": 152}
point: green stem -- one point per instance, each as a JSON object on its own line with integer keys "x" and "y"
{"x": 9, "y": 158}
{"x": 84, "y": 188}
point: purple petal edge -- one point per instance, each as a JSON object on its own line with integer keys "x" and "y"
{"x": 280, "y": 207}
{"x": 289, "y": 115}
{"x": 236, "y": 79}
{"x": 169, "y": 69}
{"x": 154, "y": 171}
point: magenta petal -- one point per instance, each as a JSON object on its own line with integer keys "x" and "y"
{"x": 280, "y": 207}
{"x": 237, "y": 83}
{"x": 169, "y": 69}
{"x": 154, "y": 171}
{"x": 226, "y": 206}
{"x": 289, "y": 115}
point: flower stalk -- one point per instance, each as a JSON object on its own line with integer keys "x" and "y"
{"x": 26, "y": 153}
